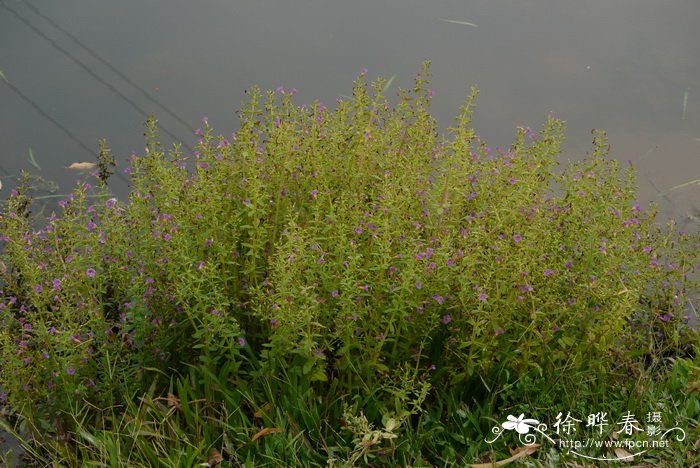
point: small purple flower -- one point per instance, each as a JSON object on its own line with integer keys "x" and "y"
{"x": 500, "y": 331}
{"x": 358, "y": 230}
{"x": 334, "y": 293}
{"x": 70, "y": 371}
{"x": 419, "y": 285}
{"x": 446, "y": 319}
{"x": 439, "y": 299}
{"x": 549, "y": 272}
{"x": 483, "y": 297}
{"x": 110, "y": 203}
{"x": 241, "y": 342}
{"x": 517, "y": 238}
{"x": 208, "y": 242}
{"x": 450, "y": 262}
{"x": 90, "y": 272}
{"x": 512, "y": 181}
{"x": 28, "y": 326}
{"x": 38, "y": 288}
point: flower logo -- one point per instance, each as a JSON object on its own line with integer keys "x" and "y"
{"x": 521, "y": 425}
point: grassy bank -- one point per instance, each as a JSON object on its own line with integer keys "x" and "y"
{"x": 347, "y": 287}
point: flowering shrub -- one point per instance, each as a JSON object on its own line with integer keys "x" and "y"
{"x": 347, "y": 248}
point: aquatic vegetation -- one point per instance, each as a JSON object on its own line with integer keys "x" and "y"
{"x": 333, "y": 286}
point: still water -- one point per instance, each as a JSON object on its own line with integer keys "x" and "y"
{"x": 81, "y": 70}
{"x": 78, "y": 70}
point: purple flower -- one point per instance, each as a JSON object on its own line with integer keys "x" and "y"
{"x": 483, "y": 297}
{"x": 241, "y": 342}
{"x": 110, "y": 203}
{"x": 512, "y": 181}
{"x": 666, "y": 317}
{"x": 517, "y": 238}
{"x": 70, "y": 371}
{"x": 439, "y": 299}
{"x": 90, "y": 272}
{"x": 334, "y": 293}
{"x": 419, "y": 285}
{"x": 500, "y": 331}
{"x": 446, "y": 319}
{"x": 549, "y": 272}
{"x": 358, "y": 230}
{"x": 38, "y": 288}
{"x": 450, "y": 262}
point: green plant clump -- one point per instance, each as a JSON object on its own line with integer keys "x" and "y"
{"x": 334, "y": 286}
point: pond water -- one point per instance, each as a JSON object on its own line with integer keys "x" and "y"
{"x": 80, "y": 70}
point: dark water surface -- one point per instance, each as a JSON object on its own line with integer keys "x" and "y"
{"x": 81, "y": 70}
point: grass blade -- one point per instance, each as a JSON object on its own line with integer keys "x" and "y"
{"x": 2, "y": 75}
{"x": 676, "y": 187}
{"x": 32, "y": 160}
{"x": 463, "y": 23}
{"x": 388, "y": 84}
{"x": 685, "y": 103}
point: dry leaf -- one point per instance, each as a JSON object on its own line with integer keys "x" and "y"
{"x": 215, "y": 458}
{"x": 518, "y": 453}
{"x": 173, "y": 401}
{"x": 82, "y": 166}
{"x": 623, "y": 455}
{"x": 263, "y": 409}
{"x": 266, "y": 431}
{"x": 694, "y": 387}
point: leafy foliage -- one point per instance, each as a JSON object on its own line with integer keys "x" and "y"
{"x": 346, "y": 266}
